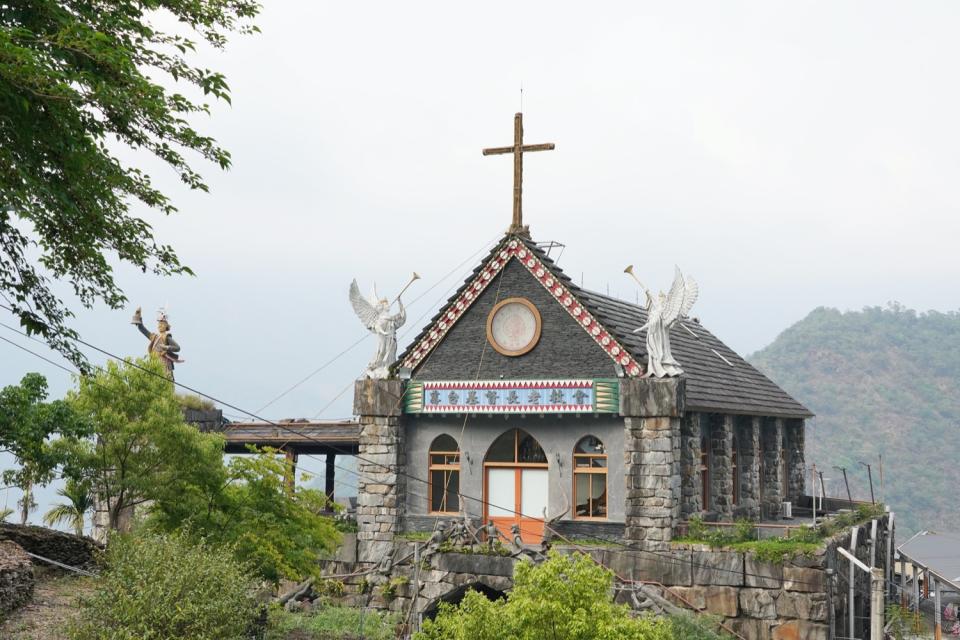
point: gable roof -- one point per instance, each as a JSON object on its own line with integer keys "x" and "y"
{"x": 718, "y": 379}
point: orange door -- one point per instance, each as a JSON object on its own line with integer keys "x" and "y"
{"x": 517, "y": 496}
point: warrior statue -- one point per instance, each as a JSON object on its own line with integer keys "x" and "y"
{"x": 375, "y": 315}
{"x": 162, "y": 345}
{"x": 664, "y": 311}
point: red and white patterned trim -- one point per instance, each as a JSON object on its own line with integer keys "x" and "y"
{"x": 516, "y": 249}
{"x": 482, "y": 385}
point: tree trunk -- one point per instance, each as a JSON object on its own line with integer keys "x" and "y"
{"x": 25, "y": 502}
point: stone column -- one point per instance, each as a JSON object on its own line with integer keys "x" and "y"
{"x": 652, "y": 409}
{"x": 797, "y": 463}
{"x": 749, "y": 462}
{"x": 721, "y": 472}
{"x": 771, "y": 438}
{"x": 330, "y": 477}
{"x": 690, "y": 500}
{"x": 381, "y": 461}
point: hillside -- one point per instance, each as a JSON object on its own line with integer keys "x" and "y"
{"x": 881, "y": 381}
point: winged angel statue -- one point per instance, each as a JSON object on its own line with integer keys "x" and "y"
{"x": 375, "y": 315}
{"x": 663, "y": 311}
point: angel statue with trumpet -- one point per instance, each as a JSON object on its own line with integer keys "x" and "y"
{"x": 375, "y": 315}
{"x": 664, "y": 311}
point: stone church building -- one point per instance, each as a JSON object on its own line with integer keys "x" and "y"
{"x": 524, "y": 401}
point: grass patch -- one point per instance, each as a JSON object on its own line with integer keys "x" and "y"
{"x": 415, "y": 536}
{"x": 331, "y": 623}
{"x": 803, "y": 540}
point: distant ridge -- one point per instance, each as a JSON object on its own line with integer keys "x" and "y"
{"x": 881, "y": 381}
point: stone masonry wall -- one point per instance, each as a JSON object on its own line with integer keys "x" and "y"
{"x": 690, "y": 499}
{"x": 748, "y": 466}
{"x": 380, "y": 464}
{"x": 721, "y": 476}
{"x": 16, "y": 577}
{"x": 771, "y": 487}
{"x": 651, "y": 410}
{"x": 49, "y": 543}
{"x": 794, "y": 434}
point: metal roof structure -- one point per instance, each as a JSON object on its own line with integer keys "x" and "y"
{"x": 938, "y": 553}
{"x": 718, "y": 379}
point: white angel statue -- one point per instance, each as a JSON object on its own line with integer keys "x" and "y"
{"x": 663, "y": 311}
{"x": 376, "y": 317}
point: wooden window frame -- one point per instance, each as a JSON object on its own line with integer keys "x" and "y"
{"x": 590, "y": 470}
{"x": 735, "y": 470}
{"x": 705, "y": 473}
{"x": 446, "y": 466}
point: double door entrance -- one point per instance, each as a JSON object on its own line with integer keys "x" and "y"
{"x": 516, "y": 486}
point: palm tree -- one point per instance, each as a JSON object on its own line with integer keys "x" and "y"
{"x": 79, "y": 502}
{"x": 5, "y": 513}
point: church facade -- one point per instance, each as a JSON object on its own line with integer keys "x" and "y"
{"x": 524, "y": 403}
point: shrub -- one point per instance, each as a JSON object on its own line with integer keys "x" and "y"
{"x": 165, "y": 587}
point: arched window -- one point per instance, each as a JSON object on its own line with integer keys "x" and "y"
{"x": 518, "y": 447}
{"x": 590, "y": 479}
{"x": 444, "y": 487}
{"x": 735, "y": 472}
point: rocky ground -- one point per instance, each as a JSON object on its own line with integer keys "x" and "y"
{"x": 54, "y": 602}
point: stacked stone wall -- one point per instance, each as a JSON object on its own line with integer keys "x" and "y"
{"x": 721, "y": 473}
{"x": 16, "y": 577}
{"x": 380, "y": 465}
{"x": 651, "y": 409}
{"x": 55, "y": 545}
{"x": 795, "y": 439}
{"x": 690, "y": 499}
{"x": 771, "y": 485}
{"x": 748, "y": 466}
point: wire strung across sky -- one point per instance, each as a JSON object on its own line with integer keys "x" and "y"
{"x": 629, "y": 549}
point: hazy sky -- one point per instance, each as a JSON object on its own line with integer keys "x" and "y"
{"x": 787, "y": 155}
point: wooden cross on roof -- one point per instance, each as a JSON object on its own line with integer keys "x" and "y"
{"x": 518, "y": 149}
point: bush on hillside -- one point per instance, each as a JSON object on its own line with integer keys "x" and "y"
{"x": 156, "y": 587}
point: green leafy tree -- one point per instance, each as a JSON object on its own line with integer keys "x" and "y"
{"x": 44, "y": 437}
{"x": 167, "y": 588}
{"x": 142, "y": 450}
{"x": 74, "y": 511}
{"x": 568, "y": 597}
{"x": 247, "y": 505}
{"x": 81, "y": 82}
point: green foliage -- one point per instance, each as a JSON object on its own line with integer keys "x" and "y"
{"x": 74, "y": 511}
{"x": 143, "y": 449}
{"x": 81, "y": 85}
{"x": 331, "y": 623}
{"x": 498, "y": 549}
{"x": 193, "y": 401}
{"x": 567, "y": 597}
{"x": 246, "y": 505}
{"x": 167, "y": 587}
{"x": 5, "y": 513}
{"x": 902, "y": 621}
{"x": 803, "y": 540}
{"x": 42, "y": 436}
{"x": 389, "y": 590}
{"x": 881, "y": 381}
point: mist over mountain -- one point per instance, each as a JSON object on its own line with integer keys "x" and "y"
{"x": 883, "y": 382}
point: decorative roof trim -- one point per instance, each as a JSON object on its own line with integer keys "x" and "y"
{"x": 516, "y": 249}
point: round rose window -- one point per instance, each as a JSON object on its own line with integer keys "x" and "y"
{"x": 513, "y": 326}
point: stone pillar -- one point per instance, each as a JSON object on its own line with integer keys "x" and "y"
{"x": 794, "y": 432}
{"x": 771, "y": 439}
{"x": 652, "y": 409}
{"x": 380, "y": 463}
{"x": 690, "y": 500}
{"x": 721, "y": 472}
{"x": 748, "y": 435}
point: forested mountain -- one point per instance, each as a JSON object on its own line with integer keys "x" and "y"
{"x": 882, "y": 381}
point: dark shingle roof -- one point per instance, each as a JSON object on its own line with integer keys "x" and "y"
{"x": 713, "y": 384}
